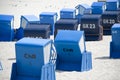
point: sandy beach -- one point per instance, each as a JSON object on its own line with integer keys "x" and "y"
{"x": 104, "y": 68}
